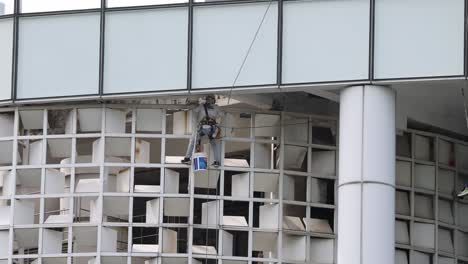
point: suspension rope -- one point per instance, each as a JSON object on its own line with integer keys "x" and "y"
{"x": 464, "y": 105}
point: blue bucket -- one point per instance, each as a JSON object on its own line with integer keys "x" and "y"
{"x": 199, "y": 161}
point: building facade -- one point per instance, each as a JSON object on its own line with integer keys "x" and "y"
{"x": 344, "y": 134}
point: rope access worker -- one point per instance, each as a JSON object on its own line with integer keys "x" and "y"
{"x": 207, "y": 115}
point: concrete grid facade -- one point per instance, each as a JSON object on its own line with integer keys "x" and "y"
{"x": 69, "y": 206}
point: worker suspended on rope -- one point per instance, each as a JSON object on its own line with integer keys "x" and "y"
{"x": 207, "y": 116}
{"x": 464, "y": 192}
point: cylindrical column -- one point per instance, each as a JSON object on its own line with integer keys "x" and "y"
{"x": 366, "y": 192}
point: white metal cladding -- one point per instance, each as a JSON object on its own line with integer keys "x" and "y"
{"x": 105, "y": 183}
{"x": 58, "y": 56}
{"x": 6, "y": 55}
{"x": 419, "y": 38}
{"x": 146, "y": 50}
{"x": 364, "y": 44}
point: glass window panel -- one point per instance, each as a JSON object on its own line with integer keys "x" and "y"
{"x": 221, "y": 42}
{"x": 325, "y": 40}
{"x": 6, "y": 53}
{"x": 418, "y": 38}
{"x": 28, "y": 6}
{"x": 146, "y": 50}
{"x": 58, "y": 55}
{"x": 119, "y": 3}
{"x": 7, "y": 7}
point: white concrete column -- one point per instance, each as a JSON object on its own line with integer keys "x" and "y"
{"x": 366, "y": 192}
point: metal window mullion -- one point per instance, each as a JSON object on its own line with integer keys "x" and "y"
{"x": 102, "y": 46}
{"x": 71, "y": 204}
{"x": 189, "y": 46}
{"x": 412, "y": 196}
{"x": 455, "y": 205}
{"x": 131, "y": 186}
{"x": 12, "y": 198}
{"x": 280, "y": 192}
{"x": 100, "y": 200}
{"x": 14, "y": 73}
{"x": 309, "y": 184}
{"x": 436, "y": 199}
{"x": 279, "y": 44}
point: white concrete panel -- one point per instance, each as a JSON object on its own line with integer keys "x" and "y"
{"x": 6, "y": 119}
{"x": 115, "y": 120}
{"x": 142, "y": 151}
{"x": 462, "y": 239}
{"x": 5, "y": 215}
{"x": 323, "y": 162}
{"x": 378, "y": 212}
{"x": 402, "y": 203}
{"x": 145, "y": 248}
{"x": 176, "y": 207}
{"x": 108, "y": 239}
{"x": 445, "y": 260}
{"x": 423, "y": 149}
{"x": 294, "y": 157}
{"x": 418, "y": 38}
{"x": 462, "y": 157}
{"x": 6, "y": 156}
{"x": 423, "y": 206}
{"x": 263, "y": 156}
{"x": 401, "y": 257}
{"x": 221, "y": 41}
{"x": 89, "y": 119}
{"x": 148, "y": 120}
{"x": 228, "y": 241}
{"x": 403, "y": 173}
{"x": 6, "y": 53}
{"x": 343, "y": 50}
{"x": 171, "y": 181}
{"x": 445, "y": 240}
{"x": 317, "y": 225}
{"x": 66, "y": 54}
{"x": 349, "y": 223}
{"x": 401, "y": 232}
{"x": 23, "y": 212}
{"x": 152, "y": 211}
{"x": 262, "y": 241}
{"x": 54, "y": 182}
{"x": 265, "y": 182}
{"x": 35, "y": 153}
{"x": 123, "y": 181}
{"x": 269, "y": 218}
{"x": 4, "y": 238}
{"x": 446, "y": 180}
{"x": 424, "y": 177}
{"x": 288, "y": 187}
{"x": 446, "y": 153}
{"x": 293, "y": 223}
{"x": 146, "y": 50}
{"x": 169, "y": 241}
{"x": 240, "y": 185}
{"x": 322, "y": 250}
{"x": 204, "y": 250}
{"x": 267, "y": 125}
{"x": 423, "y": 235}
{"x": 421, "y": 258}
{"x": 445, "y": 212}
{"x": 463, "y": 214}
{"x": 294, "y": 248}
{"x": 206, "y": 178}
{"x": 88, "y": 186}
{"x": 51, "y": 241}
{"x": 210, "y": 212}
{"x": 8, "y": 187}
